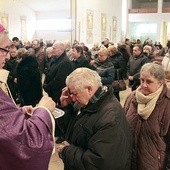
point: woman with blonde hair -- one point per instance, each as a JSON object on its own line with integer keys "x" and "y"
{"x": 147, "y": 50}
{"x": 119, "y": 64}
{"x": 104, "y": 67}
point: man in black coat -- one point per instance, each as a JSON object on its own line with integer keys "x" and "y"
{"x": 54, "y": 82}
{"x": 136, "y": 61}
{"x": 97, "y": 133}
{"x": 59, "y": 69}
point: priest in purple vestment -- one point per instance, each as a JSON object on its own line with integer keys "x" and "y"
{"x": 26, "y": 143}
{"x": 26, "y": 134}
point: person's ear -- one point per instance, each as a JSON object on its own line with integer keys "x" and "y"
{"x": 90, "y": 90}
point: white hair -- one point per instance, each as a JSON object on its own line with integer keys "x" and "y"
{"x": 84, "y": 77}
{"x": 155, "y": 69}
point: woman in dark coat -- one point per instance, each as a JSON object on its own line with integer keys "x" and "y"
{"x": 104, "y": 67}
{"x": 29, "y": 80}
{"x": 78, "y": 58}
{"x": 119, "y": 64}
{"x": 148, "y": 113}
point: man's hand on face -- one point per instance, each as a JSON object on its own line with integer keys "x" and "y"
{"x": 65, "y": 98}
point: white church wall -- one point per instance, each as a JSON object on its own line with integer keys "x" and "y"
{"x": 15, "y": 11}
{"x": 111, "y": 8}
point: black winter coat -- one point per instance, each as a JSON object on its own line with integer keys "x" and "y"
{"x": 106, "y": 71}
{"x": 29, "y": 81}
{"x": 99, "y": 136}
{"x": 80, "y": 62}
{"x": 119, "y": 65}
{"x": 54, "y": 82}
{"x": 11, "y": 66}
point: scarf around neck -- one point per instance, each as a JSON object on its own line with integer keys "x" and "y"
{"x": 146, "y": 104}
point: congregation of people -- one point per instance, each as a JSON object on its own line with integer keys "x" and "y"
{"x": 96, "y": 131}
{"x": 125, "y": 58}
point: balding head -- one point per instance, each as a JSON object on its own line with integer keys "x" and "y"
{"x": 58, "y": 48}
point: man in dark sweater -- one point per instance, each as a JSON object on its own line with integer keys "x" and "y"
{"x": 134, "y": 65}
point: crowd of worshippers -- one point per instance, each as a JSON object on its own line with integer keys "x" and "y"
{"x": 96, "y": 132}
{"x": 30, "y": 60}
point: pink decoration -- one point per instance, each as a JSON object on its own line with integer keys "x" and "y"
{"x": 1, "y": 28}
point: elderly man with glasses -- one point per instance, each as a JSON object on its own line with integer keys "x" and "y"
{"x": 4, "y": 56}
{"x": 26, "y": 139}
{"x": 4, "y": 43}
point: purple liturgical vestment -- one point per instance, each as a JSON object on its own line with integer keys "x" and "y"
{"x": 25, "y": 144}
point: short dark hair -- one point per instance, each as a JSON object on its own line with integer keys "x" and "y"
{"x": 15, "y": 39}
{"x": 78, "y": 48}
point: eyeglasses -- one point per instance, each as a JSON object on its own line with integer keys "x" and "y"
{"x": 4, "y": 51}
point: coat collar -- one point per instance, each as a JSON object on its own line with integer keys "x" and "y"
{"x": 98, "y": 98}
{"x": 57, "y": 59}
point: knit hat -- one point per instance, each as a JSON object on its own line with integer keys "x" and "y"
{"x": 1, "y": 28}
